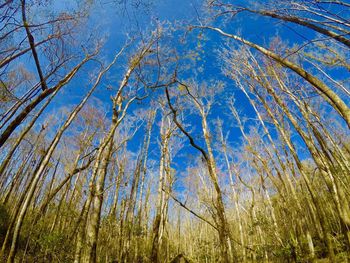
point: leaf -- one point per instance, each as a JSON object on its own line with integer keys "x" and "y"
{"x": 182, "y": 88}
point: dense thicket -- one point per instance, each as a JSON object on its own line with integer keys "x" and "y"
{"x": 189, "y": 142}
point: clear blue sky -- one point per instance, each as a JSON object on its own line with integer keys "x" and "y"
{"x": 114, "y": 23}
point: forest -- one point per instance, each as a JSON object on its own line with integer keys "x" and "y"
{"x": 169, "y": 131}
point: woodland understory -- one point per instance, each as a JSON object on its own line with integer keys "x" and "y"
{"x": 176, "y": 141}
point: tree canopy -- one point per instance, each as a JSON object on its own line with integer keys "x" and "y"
{"x": 174, "y": 131}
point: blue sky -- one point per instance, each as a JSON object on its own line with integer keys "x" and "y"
{"x": 112, "y": 24}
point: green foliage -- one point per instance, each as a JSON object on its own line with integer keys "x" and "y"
{"x": 57, "y": 245}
